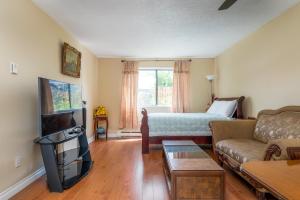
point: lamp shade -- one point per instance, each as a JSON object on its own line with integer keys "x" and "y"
{"x": 211, "y": 77}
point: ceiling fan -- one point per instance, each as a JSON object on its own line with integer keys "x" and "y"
{"x": 227, "y": 4}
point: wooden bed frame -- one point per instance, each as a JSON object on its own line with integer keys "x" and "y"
{"x": 147, "y": 140}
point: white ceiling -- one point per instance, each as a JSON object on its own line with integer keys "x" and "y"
{"x": 161, "y": 28}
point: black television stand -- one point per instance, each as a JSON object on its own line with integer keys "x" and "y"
{"x": 65, "y": 168}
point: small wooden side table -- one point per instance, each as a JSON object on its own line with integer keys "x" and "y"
{"x": 97, "y": 119}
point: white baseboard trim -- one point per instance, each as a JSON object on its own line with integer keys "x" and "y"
{"x": 113, "y": 131}
{"x": 14, "y": 189}
{"x": 91, "y": 139}
{"x": 121, "y": 135}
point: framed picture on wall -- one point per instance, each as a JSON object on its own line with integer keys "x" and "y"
{"x": 71, "y": 61}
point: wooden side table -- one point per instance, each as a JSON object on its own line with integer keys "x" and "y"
{"x": 97, "y": 119}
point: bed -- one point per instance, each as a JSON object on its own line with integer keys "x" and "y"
{"x": 156, "y": 127}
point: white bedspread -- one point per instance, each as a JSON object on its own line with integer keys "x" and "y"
{"x": 181, "y": 124}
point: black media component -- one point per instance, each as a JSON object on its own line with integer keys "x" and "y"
{"x": 62, "y": 118}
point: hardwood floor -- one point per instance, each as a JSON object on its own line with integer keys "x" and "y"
{"x": 120, "y": 171}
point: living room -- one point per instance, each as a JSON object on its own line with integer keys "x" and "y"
{"x": 212, "y": 87}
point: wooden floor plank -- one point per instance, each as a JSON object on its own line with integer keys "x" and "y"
{"x": 120, "y": 171}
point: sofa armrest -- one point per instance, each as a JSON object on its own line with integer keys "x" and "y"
{"x": 283, "y": 149}
{"x": 222, "y": 130}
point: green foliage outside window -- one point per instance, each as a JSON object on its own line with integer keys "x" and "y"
{"x": 155, "y": 87}
{"x": 165, "y": 78}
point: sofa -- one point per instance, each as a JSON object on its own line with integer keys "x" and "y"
{"x": 274, "y": 135}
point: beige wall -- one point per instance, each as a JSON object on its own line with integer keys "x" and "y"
{"x": 110, "y": 80}
{"x": 265, "y": 67}
{"x": 32, "y": 40}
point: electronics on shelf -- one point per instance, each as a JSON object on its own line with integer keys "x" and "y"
{"x": 62, "y": 119}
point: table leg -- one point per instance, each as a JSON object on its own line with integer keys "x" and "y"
{"x": 106, "y": 129}
{"x": 95, "y": 128}
{"x": 260, "y": 195}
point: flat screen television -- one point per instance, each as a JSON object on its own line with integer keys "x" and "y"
{"x": 60, "y": 106}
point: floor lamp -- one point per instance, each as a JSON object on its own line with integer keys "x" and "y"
{"x": 210, "y": 78}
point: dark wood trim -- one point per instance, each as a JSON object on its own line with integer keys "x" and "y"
{"x": 272, "y": 150}
{"x": 65, "y": 71}
{"x": 239, "y": 114}
{"x": 293, "y": 153}
{"x": 213, "y": 143}
{"x": 145, "y": 132}
{"x": 224, "y": 159}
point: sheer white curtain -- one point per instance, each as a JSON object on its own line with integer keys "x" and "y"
{"x": 181, "y": 84}
{"x": 128, "y": 118}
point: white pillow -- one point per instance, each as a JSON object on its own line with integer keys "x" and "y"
{"x": 225, "y": 108}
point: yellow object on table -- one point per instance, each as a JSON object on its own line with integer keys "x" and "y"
{"x": 100, "y": 111}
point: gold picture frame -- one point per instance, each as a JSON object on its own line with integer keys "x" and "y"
{"x": 71, "y": 61}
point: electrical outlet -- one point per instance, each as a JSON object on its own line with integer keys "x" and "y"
{"x": 13, "y": 68}
{"x": 18, "y": 161}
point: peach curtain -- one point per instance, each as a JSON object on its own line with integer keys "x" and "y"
{"x": 180, "y": 99}
{"x": 128, "y": 118}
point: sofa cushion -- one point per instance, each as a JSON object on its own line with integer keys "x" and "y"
{"x": 242, "y": 150}
{"x": 285, "y": 125}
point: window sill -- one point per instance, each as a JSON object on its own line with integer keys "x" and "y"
{"x": 157, "y": 109}
{"x": 157, "y": 106}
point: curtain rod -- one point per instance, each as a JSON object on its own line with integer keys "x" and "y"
{"x": 155, "y": 60}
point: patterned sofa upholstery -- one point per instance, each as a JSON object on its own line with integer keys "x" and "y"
{"x": 274, "y": 135}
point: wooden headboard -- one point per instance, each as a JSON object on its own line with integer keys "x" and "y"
{"x": 239, "y": 110}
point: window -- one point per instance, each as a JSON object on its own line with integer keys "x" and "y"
{"x": 155, "y": 87}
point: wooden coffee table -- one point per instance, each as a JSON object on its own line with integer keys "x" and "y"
{"x": 190, "y": 172}
{"x": 280, "y": 178}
